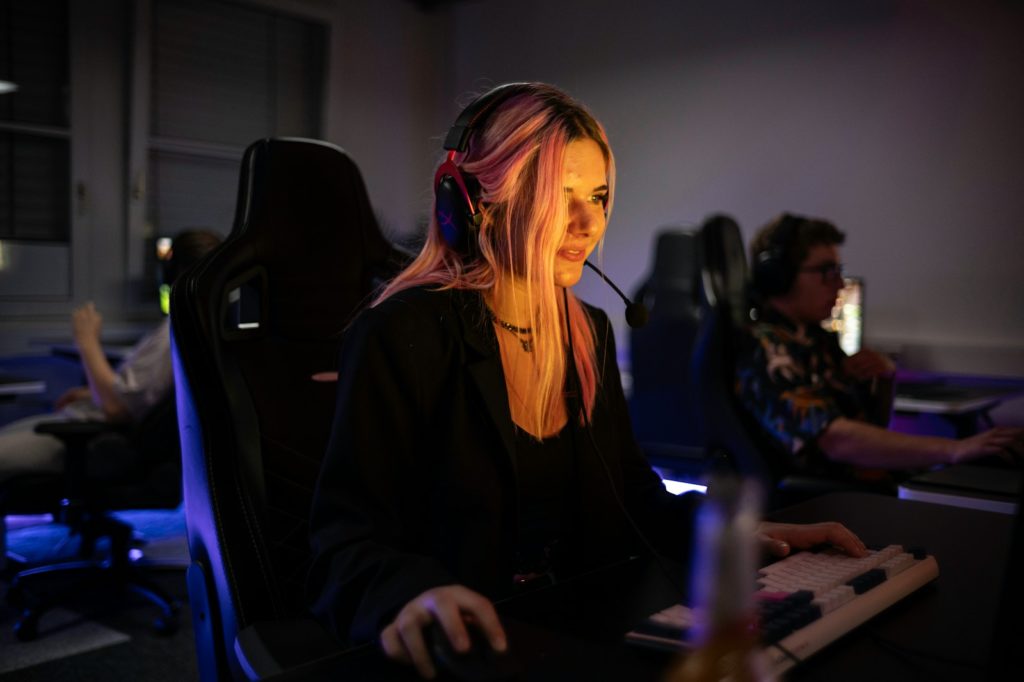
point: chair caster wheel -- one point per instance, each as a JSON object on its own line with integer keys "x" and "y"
{"x": 27, "y": 628}
{"x": 166, "y": 625}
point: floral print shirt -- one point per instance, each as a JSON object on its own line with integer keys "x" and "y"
{"x": 794, "y": 386}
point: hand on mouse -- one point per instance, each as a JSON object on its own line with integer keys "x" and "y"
{"x": 402, "y": 639}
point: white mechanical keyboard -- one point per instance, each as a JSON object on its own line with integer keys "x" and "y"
{"x": 810, "y": 599}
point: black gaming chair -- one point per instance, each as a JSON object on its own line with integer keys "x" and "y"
{"x": 734, "y": 438}
{"x": 254, "y": 327}
{"x": 108, "y": 467}
{"x": 661, "y": 401}
{"x": 723, "y": 276}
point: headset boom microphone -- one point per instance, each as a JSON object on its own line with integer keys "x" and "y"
{"x": 636, "y": 312}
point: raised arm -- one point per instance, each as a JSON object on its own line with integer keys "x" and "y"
{"x": 86, "y": 323}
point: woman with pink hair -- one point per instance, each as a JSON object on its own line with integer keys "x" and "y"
{"x": 481, "y": 442}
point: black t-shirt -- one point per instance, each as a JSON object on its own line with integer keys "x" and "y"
{"x": 545, "y": 476}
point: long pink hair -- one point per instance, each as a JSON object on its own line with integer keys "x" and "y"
{"x": 517, "y": 157}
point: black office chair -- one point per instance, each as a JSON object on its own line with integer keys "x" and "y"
{"x": 251, "y": 327}
{"x": 665, "y": 420}
{"x": 108, "y": 467}
{"x": 730, "y": 439}
{"x": 734, "y": 438}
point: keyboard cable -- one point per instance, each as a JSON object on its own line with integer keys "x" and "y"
{"x": 788, "y": 654}
{"x": 658, "y": 558}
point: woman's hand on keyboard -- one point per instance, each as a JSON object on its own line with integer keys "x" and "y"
{"x": 781, "y": 538}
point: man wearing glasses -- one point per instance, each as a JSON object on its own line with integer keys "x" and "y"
{"x": 828, "y": 409}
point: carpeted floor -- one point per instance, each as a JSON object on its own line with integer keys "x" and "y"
{"x": 64, "y": 633}
{"x": 103, "y": 636}
{"x": 100, "y": 637}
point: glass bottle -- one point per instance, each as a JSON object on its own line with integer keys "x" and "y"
{"x": 724, "y": 637}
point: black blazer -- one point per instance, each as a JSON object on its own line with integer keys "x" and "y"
{"x": 418, "y": 485}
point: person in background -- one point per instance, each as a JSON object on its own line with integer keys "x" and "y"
{"x": 827, "y": 409}
{"x": 121, "y": 394}
{"x": 481, "y": 443}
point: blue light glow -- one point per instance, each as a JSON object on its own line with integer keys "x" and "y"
{"x": 680, "y": 487}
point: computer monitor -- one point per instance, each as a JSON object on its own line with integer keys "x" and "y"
{"x": 163, "y": 254}
{"x": 847, "y": 318}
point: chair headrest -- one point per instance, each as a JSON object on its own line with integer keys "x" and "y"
{"x": 724, "y": 265}
{"x": 305, "y": 220}
{"x": 675, "y": 261}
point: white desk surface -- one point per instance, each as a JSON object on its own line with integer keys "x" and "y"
{"x": 15, "y": 385}
{"x": 951, "y": 398}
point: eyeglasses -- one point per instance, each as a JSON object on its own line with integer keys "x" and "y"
{"x": 829, "y": 271}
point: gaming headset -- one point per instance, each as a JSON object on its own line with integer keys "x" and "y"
{"x": 773, "y": 270}
{"x": 456, "y": 194}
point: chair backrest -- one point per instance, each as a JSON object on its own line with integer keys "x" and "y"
{"x": 664, "y": 418}
{"x": 252, "y": 325}
{"x": 723, "y": 292}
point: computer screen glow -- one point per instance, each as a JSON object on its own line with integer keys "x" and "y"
{"x": 163, "y": 254}
{"x": 847, "y": 318}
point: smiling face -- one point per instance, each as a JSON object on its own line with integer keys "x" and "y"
{"x": 585, "y": 182}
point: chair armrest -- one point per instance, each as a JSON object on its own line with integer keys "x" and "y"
{"x": 74, "y": 432}
{"x": 77, "y": 437}
{"x": 285, "y": 649}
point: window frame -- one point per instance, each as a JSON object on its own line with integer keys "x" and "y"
{"x": 141, "y": 143}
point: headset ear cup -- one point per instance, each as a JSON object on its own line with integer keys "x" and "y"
{"x": 772, "y": 271}
{"x": 772, "y": 274}
{"x": 455, "y": 196}
{"x": 452, "y": 213}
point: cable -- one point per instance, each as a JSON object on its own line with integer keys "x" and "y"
{"x": 788, "y": 654}
{"x": 658, "y": 558}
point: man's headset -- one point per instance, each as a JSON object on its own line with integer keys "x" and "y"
{"x": 773, "y": 269}
{"x": 457, "y": 194}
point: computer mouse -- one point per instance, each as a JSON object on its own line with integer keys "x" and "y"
{"x": 480, "y": 664}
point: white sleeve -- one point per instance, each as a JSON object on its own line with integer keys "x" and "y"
{"x": 146, "y": 376}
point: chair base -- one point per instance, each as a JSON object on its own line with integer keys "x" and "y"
{"x": 37, "y": 590}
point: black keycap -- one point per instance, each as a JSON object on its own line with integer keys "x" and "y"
{"x": 865, "y": 581}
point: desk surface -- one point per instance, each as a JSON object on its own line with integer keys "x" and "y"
{"x": 11, "y": 385}
{"x": 116, "y": 345}
{"x": 114, "y": 352}
{"x": 971, "y": 485}
{"x": 941, "y": 632}
{"x": 944, "y": 398}
{"x": 574, "y": 630}
{"x": 952, "y": 394}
